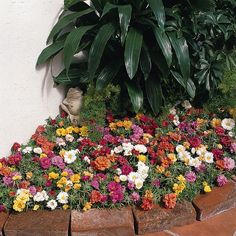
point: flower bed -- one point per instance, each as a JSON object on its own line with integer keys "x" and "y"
{"x": 137, "y": 162}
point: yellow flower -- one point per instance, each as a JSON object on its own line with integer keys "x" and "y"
{"x": 69, "y": 130}
{"x": 63, "y": 132}
{"x": 207, "y": 189}
{"x": 29, "y": 175}
{"x": 19, "y": 205}
{"x": 142, "y": 158}
{"x": 117, "y": 179}
{"x": 204, "y": 183}
{"x": 65, "y": 207}
{"x": 53, "y": 175}
{"x": 36, "y": 207}
{"x": 75, "y": 178}
{"x": 0, "y": 165}
{"x": 62, "y": 153}
{"x": 181, "y": 179}
{"x": 112, "y": 126}
{"x": 67, "y": 188}
{"x": 17, "y": 177}
{"x": 87, "y": 206}
{"x": 138, "y": 116}
{"x": 178, "y": 188}
{"x": 119, "y": 123}
{"x": 215, "y": 122}
{"x": 42, "y": 155}
{"x": 76, "y": 130}
{"x": 77, "y": 186}
{"x": 64, "y": 174}
{"x": 86, "y": 173}
{"x": 147, "y": 137}
{"x": 160, "y": 169}
{"x": 148, "y": 194}
{"x": 232, "y": 112}
{"x": 59, "y": 132}
{"x": 172, "y": 157}
{"x": 219, "y": 146}
{"x": 127, "y": 124}
{"x": 61, "y": 182}
{"x": 201, "y": 121}
{"x": 186, "y": 145}
{"x": 84, "y": 131}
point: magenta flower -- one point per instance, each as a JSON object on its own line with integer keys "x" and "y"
{"x": 7, "y": 180}
{"x": 126, "y": 169}
{"x": 95, "y": 184}
{"x": 135, "y": 197}
{"x": 131, "y": 185}
{"x": 195, "y": 141}
{"x": 45, "y": 163}
{"x": 221, "y": 180}
{"x": 190, "y": 177}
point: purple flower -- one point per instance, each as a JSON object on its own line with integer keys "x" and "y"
{"x": 131, "y": 185}
{"x": 117, "y": 196}
{"x": 58, "y": 161}
{"x": 95, "y": 184}
{"x": 221, "y": 180}
{"x": 233, "y": 148}
{"x": 156, "y": 183}
{"x": 135, "y": 197}
{"x": 229, "y": 163}
{"x": 45, "y": 163}
{"x": 190, "y": 176}
{"x": 126, "y": 169}
{"x": 32, "y": 190}
{"x": 7, "y": 180}
{"x": 137, "y": 133}
{"x": 201, "y": 168}
{"x": 113, "y": 186}
{"x": 69, "y": 171}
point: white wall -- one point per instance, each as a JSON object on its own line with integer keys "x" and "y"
{"x": 27, "y": 96}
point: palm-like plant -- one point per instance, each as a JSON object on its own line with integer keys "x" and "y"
{"x": 139, "y": 44}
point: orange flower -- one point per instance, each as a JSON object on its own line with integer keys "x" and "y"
{"x": 111, "y": 158}
{"x": 175, "y": 136}
{"x": 220, "y": 164}
{"x": 147, "y": 204}
{"x": 170, "y": 200}
{"x": 5, "y": 171}
{"x": 95, "y": 196}
{"x": 24, "y": 184}
{"x": 102, "y": 163}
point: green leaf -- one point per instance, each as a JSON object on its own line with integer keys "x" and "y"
{"x": 69, "y": 3}
{"x": 145, "y": 61}
{"x": 164, "y": 43}
{"x": 107, "y": 8}
{"x": 159, "y": 11}
{"x": 64, "y": 21}
{"x": 191, "y": 88}
{"x": 49, "y": 51}
{"x": 181, "y": 50}
{"x": 125, "y": 13}
{"x": 73, "y": 77}
{"x": 98, "y": 46}
{"x": 107, "y": 74}
{"x": 133, "y": 47}
{"x": 135, "y": 94}
{"x": 154, "y": 93}
{"x": 72, "y": 43}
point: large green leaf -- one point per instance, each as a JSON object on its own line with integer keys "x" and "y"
{"x": 133, "y": 47}
{"x": 108, "y": 7}
{"x": 159, "y": 11}
{"x": 164, "y": 44}
{"x": 145, "y": 61}
{"x": 98, "y": 46}
{"x": 181, "y": 50}
{"x": 64, "y": 21}
{"x": 136, "y": 94}
{"x": 73, "y": 77}
{"x": 72, "y": 43}
{"x": 154, "y": 93}
{"x": 125, "y": 13}
{"x": 107, "y": 74}
{"x": 50, "y": 51}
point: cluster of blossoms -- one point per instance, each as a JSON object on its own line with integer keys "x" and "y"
{"x": 138, "y": 161}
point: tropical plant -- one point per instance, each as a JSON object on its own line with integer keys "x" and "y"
{"x": 145, "y": 46}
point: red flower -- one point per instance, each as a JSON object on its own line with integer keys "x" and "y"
{"x": 164, "y": 123}
{"x": 147, "y": 204}
{"x": 219, "y": 131}
{"x": 40, "y": 129}
{"x": 195, "y": 142}
{"x": 15, "y": 147}
{"x": 226, "y": 141}
{"x": 170, "y": 200}
{"x": 95, "y": 196}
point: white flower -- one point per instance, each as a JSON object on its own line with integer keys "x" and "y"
{"x": 52, "y": 204}
{"x": 69, "y": 138}
{"x": 193, "y": 150}
{"x": 201, "y": 151}
{"x": 228, "y": 123}
{"x": 70, "y": 156}
{"x": 45, "y": 195}
{"x": 142, "y": 170}
{"x": 195, "y": 162}
{"x": 60, "y": 142}
{"x": 62, "y": 197}
{"x": 41, "y": 196}
{"x": 138, "y": 183}
{"x": 118, "y": 149}
{"x": 128, "y": 147}
{"x": 184, "y": 156}
{"x": 123, "y": 178}
{"x": 118, "y": 171}
{"x": 86, "y": 158}
{"x": 186, "y": 104}
{"x": 38, "y": 150}
{"x": 231, "y": 134}
{"x": 176, "y": 120}
{"x": 133, "y": 176}
{"x": 172, "y": 111}
{"x": 209, "y": 157}
{"x": 27, "y": 150}
{"x": 180, "y": 148}
{"x": 140, "y": 148}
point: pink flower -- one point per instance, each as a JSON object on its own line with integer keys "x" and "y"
{"x": 135, "y": 197}
{"x": 58, "y": 161}
{"x": 221, "y": 180}
{"x": 195, "y": 142}
{"x": 45, "y": 163}
{"x": 233, "y": 148}
{"x": 32, "y": 190}
{"x": 229, "y": 163}
{"x": 126, "y": 169}
{"x": 190, "y": 177}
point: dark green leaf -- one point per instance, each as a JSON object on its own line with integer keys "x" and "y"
{"x": 125, "y": 17}
{"x": 191, "y": 88}
{"x": 135, "y": 94}
{"x": 98, "y": 46}
{"x": 108, "y": 7}
{"x": 133, "y": 47}
{"x": 181, "y": 50}
{"x": 159, "y": 11}
{"x": 164, "y": 44}
{"x": 64, "y": 21}
{"x": 145, "y": 61}
{"x": 72, "y": 44}
{"x": 50, "y": 51}
{"x": 154, "y": 93}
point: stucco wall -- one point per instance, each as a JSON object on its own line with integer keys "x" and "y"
{"x": 27, "y": 96}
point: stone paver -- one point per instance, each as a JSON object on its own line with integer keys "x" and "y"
{"x": 39, "y": 223}
{"x": 102, "y": 222}
{"x": 215, "y": 202}
{"x": 3, "y": 218}
{"x": 159, "y": 218}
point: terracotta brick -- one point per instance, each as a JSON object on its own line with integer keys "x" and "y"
{"x": 218, "y": 200}
{"x": 102, "y": 222}
{"x": 39, "y": 223}
{"x": 3, "y": 219}
{"x": 159, "y": 218}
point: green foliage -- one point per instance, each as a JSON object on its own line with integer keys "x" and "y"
{"x": 151, "y": 49}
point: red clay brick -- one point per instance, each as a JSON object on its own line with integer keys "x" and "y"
{"x": 39, "y": 223}
{"x": 159, "y": 218}
{"x": 217, "y": 201}
{"x": 3, "y": 219}
{"x": 102, "y": 222}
